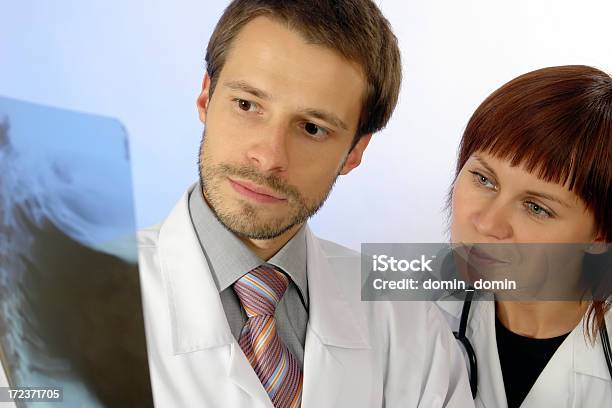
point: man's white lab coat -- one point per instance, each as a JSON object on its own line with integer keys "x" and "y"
{"x": 357, "y": 354}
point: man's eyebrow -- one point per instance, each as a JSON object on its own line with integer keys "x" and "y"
{"x": 326, "y": 116}
{"x": 246, "y": 87}
{"x": 317, "y": 113}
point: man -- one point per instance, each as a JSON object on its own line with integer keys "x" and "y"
{"x": 244, "y": 306}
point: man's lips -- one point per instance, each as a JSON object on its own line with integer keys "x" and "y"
{"x": 255, "y": 192}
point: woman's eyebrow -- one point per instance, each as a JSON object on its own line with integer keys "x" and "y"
{"x": 548, "y": 197}
{"x": 529, "y": 192}
{"x": 485, "y": 165}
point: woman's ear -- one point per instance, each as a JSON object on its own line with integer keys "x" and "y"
{"x": 598, "y": 246}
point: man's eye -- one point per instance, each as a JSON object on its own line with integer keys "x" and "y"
{"x": 245, "y": 105}
{"x": 315, "y": 130}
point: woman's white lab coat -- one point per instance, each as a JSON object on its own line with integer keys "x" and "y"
{"x": 575, "y": 376}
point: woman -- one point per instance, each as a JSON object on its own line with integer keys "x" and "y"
{"x": 535, "y": 167}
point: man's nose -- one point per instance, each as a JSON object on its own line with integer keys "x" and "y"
{"x": 269, "y": 153}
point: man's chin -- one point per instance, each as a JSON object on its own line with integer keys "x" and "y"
{"x": 259, "y": 232}
{"x": 254, "y": 226}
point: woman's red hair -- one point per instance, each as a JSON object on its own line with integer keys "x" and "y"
{"x": 557, "y": 123}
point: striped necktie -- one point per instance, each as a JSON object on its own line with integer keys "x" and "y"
{"x": 259, "y": 292}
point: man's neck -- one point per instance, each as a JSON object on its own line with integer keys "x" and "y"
{"x": 540, "y": 319}
{"x": 267, "y": 248}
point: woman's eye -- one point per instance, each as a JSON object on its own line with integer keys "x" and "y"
{"x": 245, "y": 105}
{"x": 315, "y": 130}
{"x": 537, "y": 210}
{"x": 482, "y": 180}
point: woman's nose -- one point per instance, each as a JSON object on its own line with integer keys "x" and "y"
{"x": 493, "y": 221}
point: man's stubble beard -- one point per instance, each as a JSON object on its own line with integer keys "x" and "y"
{"x": 245, "y": 222}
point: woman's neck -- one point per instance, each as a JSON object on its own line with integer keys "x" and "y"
{"x": 540, "y": 319}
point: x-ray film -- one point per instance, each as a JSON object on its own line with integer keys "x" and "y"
{"x": 70, "y": 303}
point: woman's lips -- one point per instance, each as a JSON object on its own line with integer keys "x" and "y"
{"x": 482, "y": 258}
{"x": 255, "y": 192}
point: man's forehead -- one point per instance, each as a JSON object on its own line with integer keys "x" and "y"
{"x": 268, "y": 55}
{"x": 269, "y": 41}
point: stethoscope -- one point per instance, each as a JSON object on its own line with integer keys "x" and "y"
{"x": 460, "y": 335}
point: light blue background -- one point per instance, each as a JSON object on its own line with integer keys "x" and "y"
{"x": 142, "y": 62}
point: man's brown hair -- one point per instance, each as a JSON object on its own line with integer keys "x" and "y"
{"x": 356, "y": 29}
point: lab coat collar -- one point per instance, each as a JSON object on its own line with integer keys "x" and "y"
{"x": 575, "y": 354}
{"x": 197, "y": 316}
{"x": 589, "y": 358}
{"x": 332, "y": 317}
{"x": 482, "y": 334}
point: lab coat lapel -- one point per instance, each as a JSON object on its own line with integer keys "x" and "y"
{"x": 336, "y": 358}
{"x": 198, "y": 320}
{"x": 555, "y": 386}
{"x": 323, "y": 373}
{"x": 491, "y": 392}
{"x": 590, "y": 364}
{"x": 589, "y": 359}
{"x": 243, "y": 375}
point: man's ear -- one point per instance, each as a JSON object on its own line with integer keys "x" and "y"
{"x": 354, "y": 157}
{"x": 204, "y": 98}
